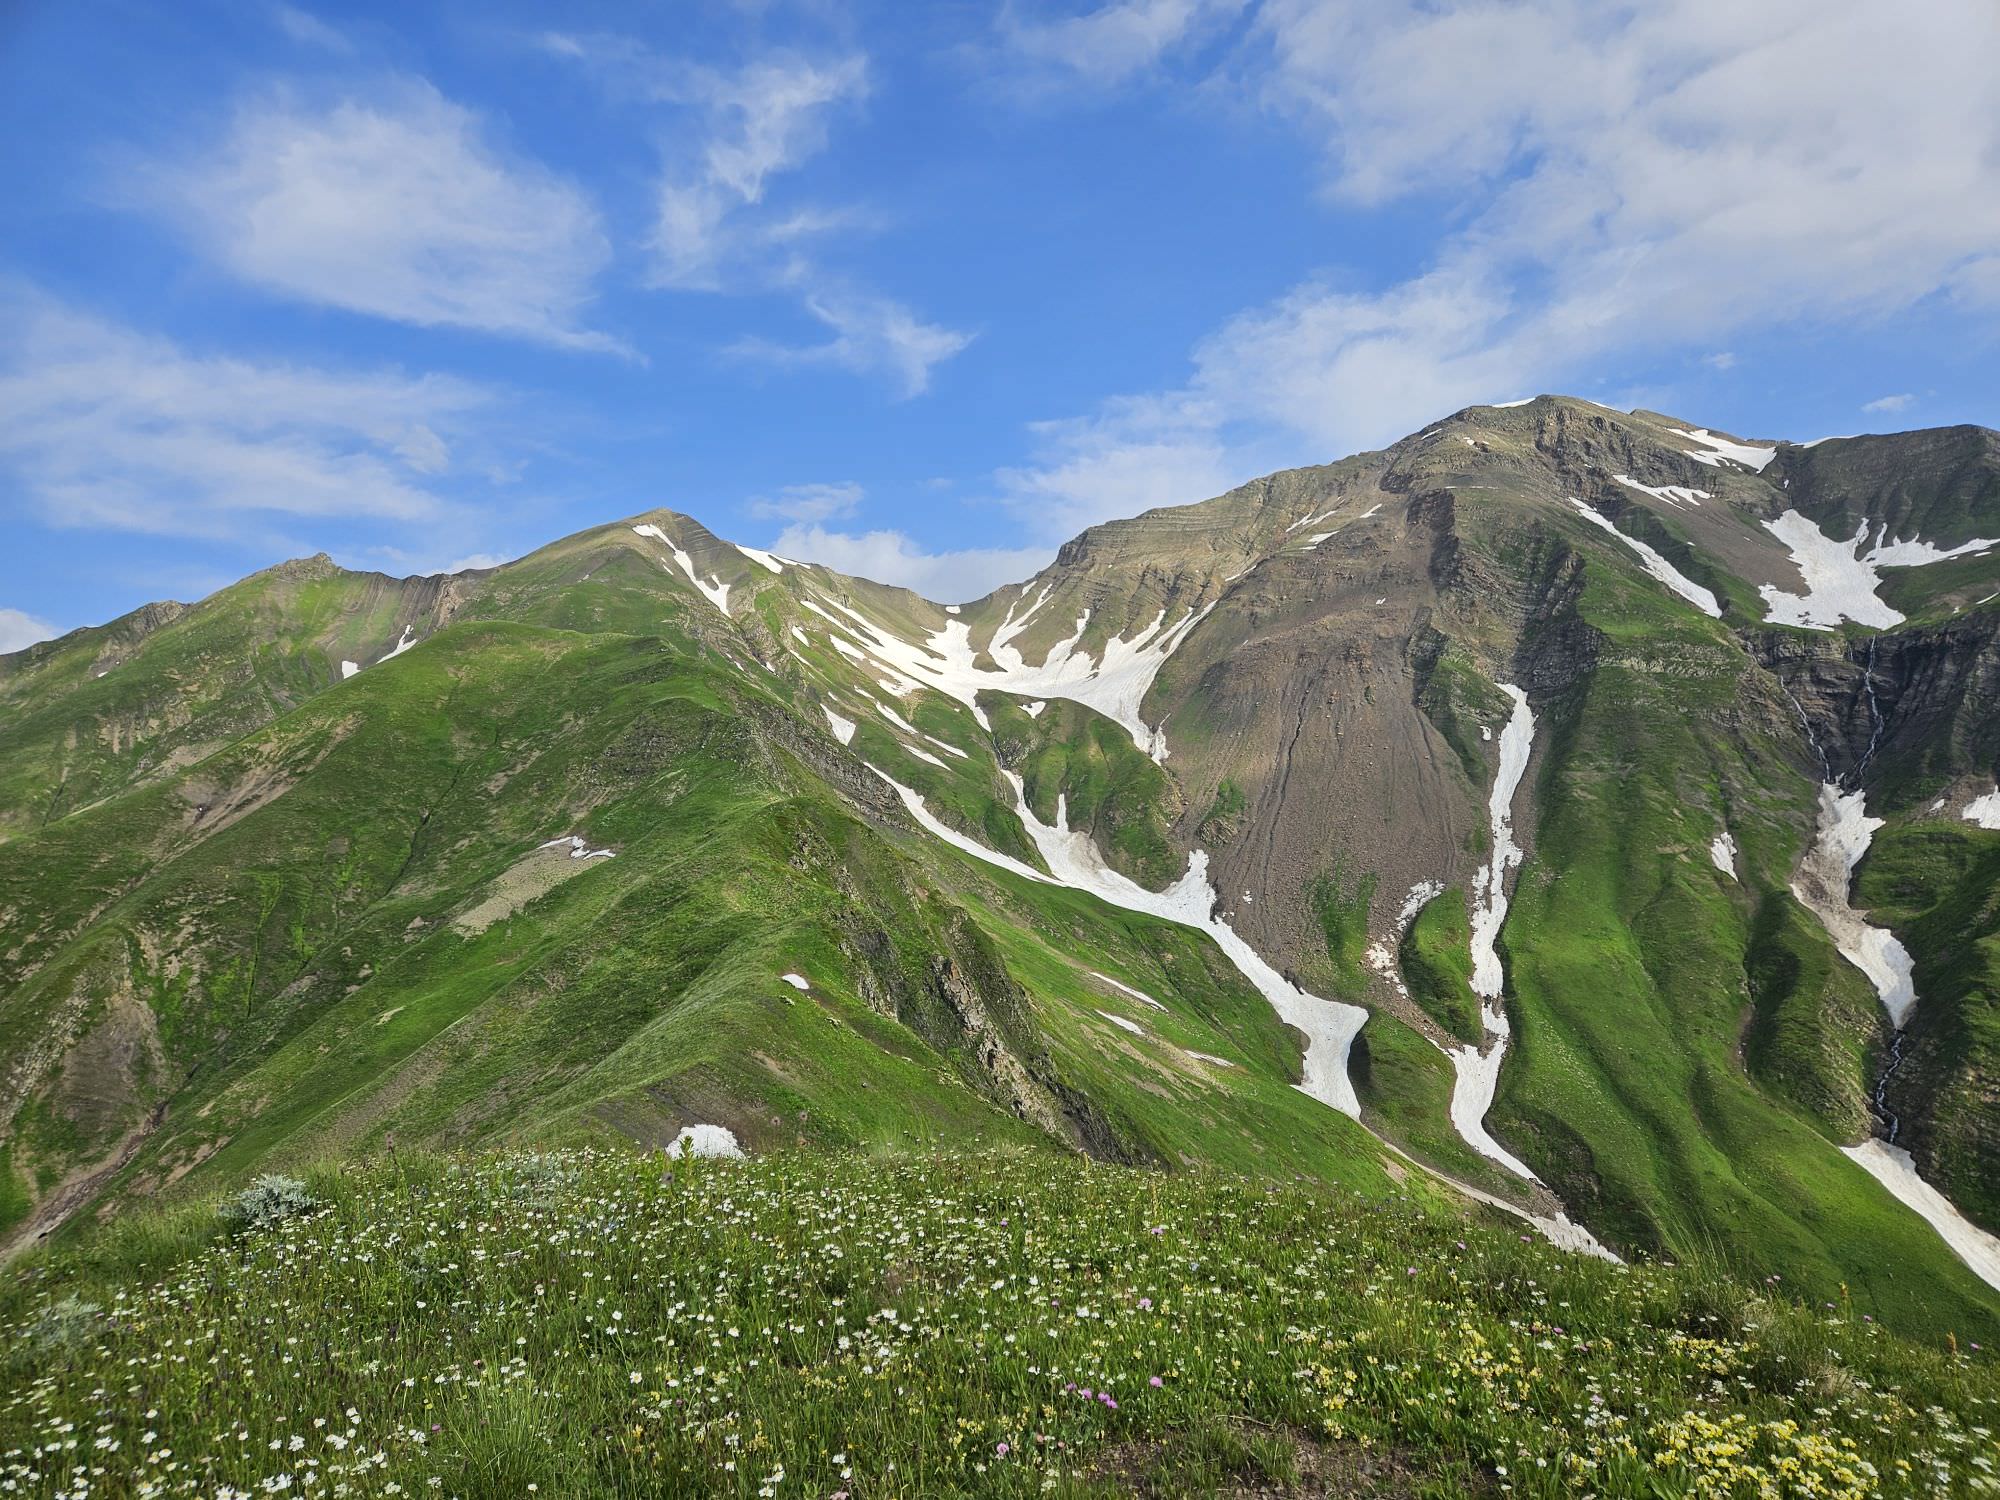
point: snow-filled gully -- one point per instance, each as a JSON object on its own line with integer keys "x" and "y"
{"x": 1115, "y": 684}
{"x": 1329, "y": 1026}
{"x": 1479, "y": 1069}
{"x": 1821, "y": 885}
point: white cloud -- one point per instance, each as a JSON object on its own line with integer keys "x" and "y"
{"x": 808, "y": 502}
{"x": 423, "y": 450}
{"x": 871, "y": 335}
{"x": 764, "y": 120}
{"x": 395, "y": 206}
{"x": 1888, "y": 403}
{"x": 1134, "y": 455}
{"x": 1114, "y": 42}
{"x": 891, "y": 557}
{"x": 729, "y": 136}
{"x": 308, "y": 30}
{"x": 19, "y": 630}
{"x": 1636, "y": 180}
{"x": 1721, "y": 360}
{"x": 100, "y": 426}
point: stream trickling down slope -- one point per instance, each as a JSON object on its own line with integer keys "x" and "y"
{"x": 1479, "y": 1071}
{"x": 1845, "y": 831}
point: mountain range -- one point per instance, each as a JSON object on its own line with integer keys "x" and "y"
{"x": 1581, "y": 810}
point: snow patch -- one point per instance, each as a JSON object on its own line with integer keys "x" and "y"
{"x": 1841, "y": 578}
{"x": 1123, "y": 1024}
{"x": 1478, "y": 1078}
{"x": 1845, "y": 830}
{"x": 1208, "y": 1057}
{"x": 1674, "y": 494}
{"x": 714, "y": 591}
{"x": 1655, "y": 564}
{"x": 1381, "y": 954}
{"x": 1893, "y": 1168}
{"x": 1722, "y": 849}
{"x": 797, "y": 982}
{"x": 1751, "y": 456}
{"x": 1985, "y": 811}
{"x": 408, "y": 640}
{"x": 1504, "y": 405}
{"x": 1033, "y": 710}
{"x": 1139, "y": 995}
{"x": 764, "y": 559}
{"x": 1479, "y": 1072}
{"x": 578, "y": 849}
{"x": 843, "y": 728}
{"x": 929, "y": 822}
{"x": 1114, "y": 684}
{"x": 347, "y": 669}
{"x": 1329, "y": 1025}
{"x": 706, "y": 1140}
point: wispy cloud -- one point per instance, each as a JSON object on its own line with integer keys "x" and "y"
{"x": 394, "y": 204}
{"x": 1888, "y": 403}
{"x": 720, "y": 226}
{"x": 20, "y": 630}
{"x": 308, "y": 30}
{"x": 104, "y": 427}
{"x": 871, "y": 335}
{"x": 1113, "y": 43}
{"x": 892, "y": 557}
{"x": 1637, "y": 181}
{"x": 808, "y": 502}
{"x": 755, "y": 124}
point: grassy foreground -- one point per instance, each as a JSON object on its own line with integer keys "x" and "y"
{"x": 819, "y": 1325}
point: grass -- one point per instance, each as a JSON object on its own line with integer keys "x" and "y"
{"x": 1938, "y": 885}
{"x": 1436, "y": 960}
{"x": 819, "y": 1324}
{"x": 1633, "y": 1084}
{"x": 1342, "y": 909}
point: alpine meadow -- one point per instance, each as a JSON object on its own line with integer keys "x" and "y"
{"x": 1467, "y": 969}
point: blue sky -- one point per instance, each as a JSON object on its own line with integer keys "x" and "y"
{"x": 920, "y": 291}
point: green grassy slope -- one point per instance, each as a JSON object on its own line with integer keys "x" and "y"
{"x": 994, "y": 1325}
{"x": 1938, "y": 886}
{"x": 340, "y": 929}
{"x": 111, "y": 707}
{"x": 1631, "y": 960}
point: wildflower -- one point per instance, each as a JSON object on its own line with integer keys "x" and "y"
{"x": 1156, "y": 1382}
{"x": 1001, "y": 1449}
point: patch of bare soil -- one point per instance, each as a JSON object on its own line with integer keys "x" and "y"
{"x": 536, "y": 874}
{"x": 1247, "y": 1462}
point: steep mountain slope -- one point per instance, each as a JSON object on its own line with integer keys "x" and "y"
{"x": 1474, "y": 785}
